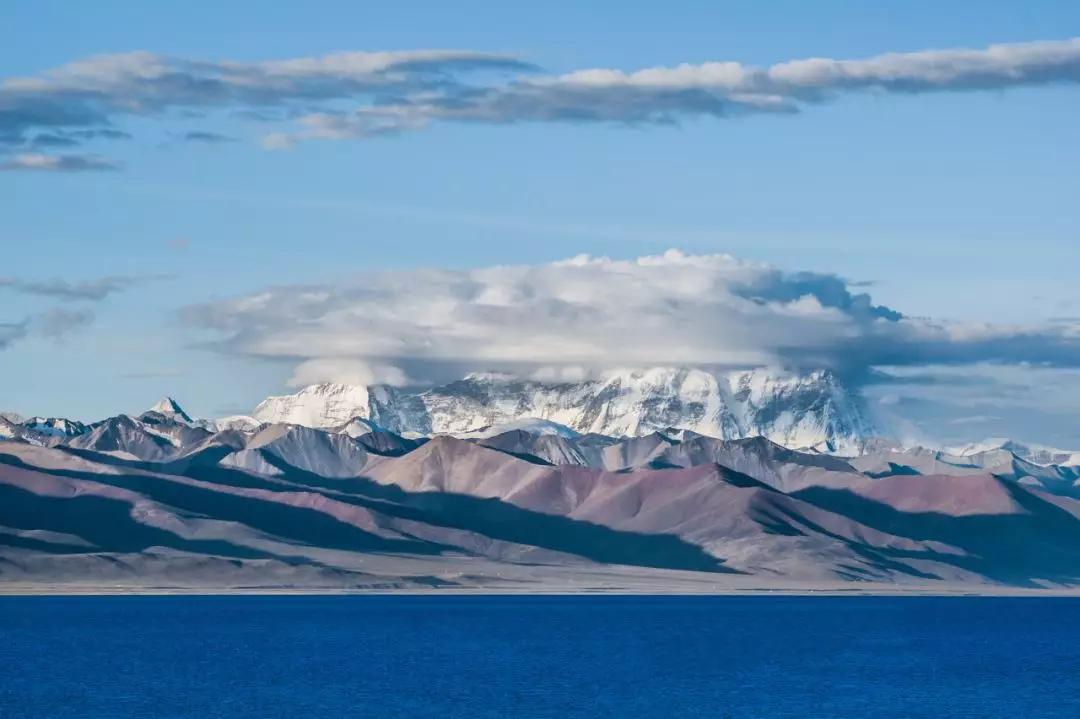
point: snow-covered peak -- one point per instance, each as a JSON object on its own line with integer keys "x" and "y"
{"x": 39, "y": 430}
{"x": 170, "y": 408}
{"x": 238, "y": 422}
{"x": 1034, "y": 453}
{"x": 9, "y": 429}
{"x": 318, "y": 405}
{"x": 491, "y": 377}
{"x": 54, "y": 426}
{"x": 963, "y": 450}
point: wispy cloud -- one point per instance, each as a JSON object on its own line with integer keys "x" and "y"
{"x": 94, "y": 290}
{"x": 74, "y": 138}
{"x": 370, "y": 94}
{"x": 153, "y": 374}
{"x": 209, "y": 138}
{"x": 58, "y": 163}
{"x": 975, "y": 419}
{"x": 12, "y": 332}
{"x": 58, "y": 323}
{"x": 958, "y": 403}
{"x": 54, "y": 324}
{"x": 84, "y": 97}
{"x": 668, "y": 95}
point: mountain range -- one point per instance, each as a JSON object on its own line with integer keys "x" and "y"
{"x": 814, "y": 409}
{"x": 660, "y": 480}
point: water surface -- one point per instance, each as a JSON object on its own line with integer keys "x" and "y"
{"x": 402, "y": 656}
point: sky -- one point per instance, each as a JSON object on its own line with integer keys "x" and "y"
{"x": 221, "y": 201}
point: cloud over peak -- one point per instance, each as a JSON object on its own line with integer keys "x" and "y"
{"x": 594, "y": 313}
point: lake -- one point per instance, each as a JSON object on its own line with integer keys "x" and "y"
{"x": 590, "y": 656}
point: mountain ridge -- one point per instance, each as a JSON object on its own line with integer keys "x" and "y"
{"x": 298, "y": 505}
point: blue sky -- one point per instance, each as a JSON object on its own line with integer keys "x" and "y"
{"x": 958, "y": 205}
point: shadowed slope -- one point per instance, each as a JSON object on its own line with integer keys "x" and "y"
{"x": 728, "y": 514}
{"x": 1004, "y": 531}
{"x": 319, "y": 497}
{"x": 298, "y": 506}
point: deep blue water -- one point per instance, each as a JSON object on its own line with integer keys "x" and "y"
{"x": 738, "y": 657}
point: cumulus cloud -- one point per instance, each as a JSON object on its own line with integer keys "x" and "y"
{"x": 94, "y": 290}
{"x": 372, "y": 94}
{"x": 586, "y": 314}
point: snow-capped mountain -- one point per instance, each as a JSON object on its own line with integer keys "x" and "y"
{"x": 239, "y": 422}
{"x": 54, "y": 426}
{"x": 170, "y": 408}
{"x": 813, "y": 409}
{"x": 321, "y": 405}
{"x": 1034, "y": 453}
{"x": 39, "y": 430}
{"x": 10, "y": 428}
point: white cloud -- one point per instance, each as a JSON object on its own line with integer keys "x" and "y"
{"x": 345, "y": 371}
{"x": 587, "y": 314}
{"x": 562, "y": 373}
{"x": 369, "y": 94}
{"x": 996, "y": 66}
{"x": 81, "y": 100}
{"x": 666, "y": 95}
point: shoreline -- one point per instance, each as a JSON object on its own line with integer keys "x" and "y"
{"x": 45, "y": 590}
